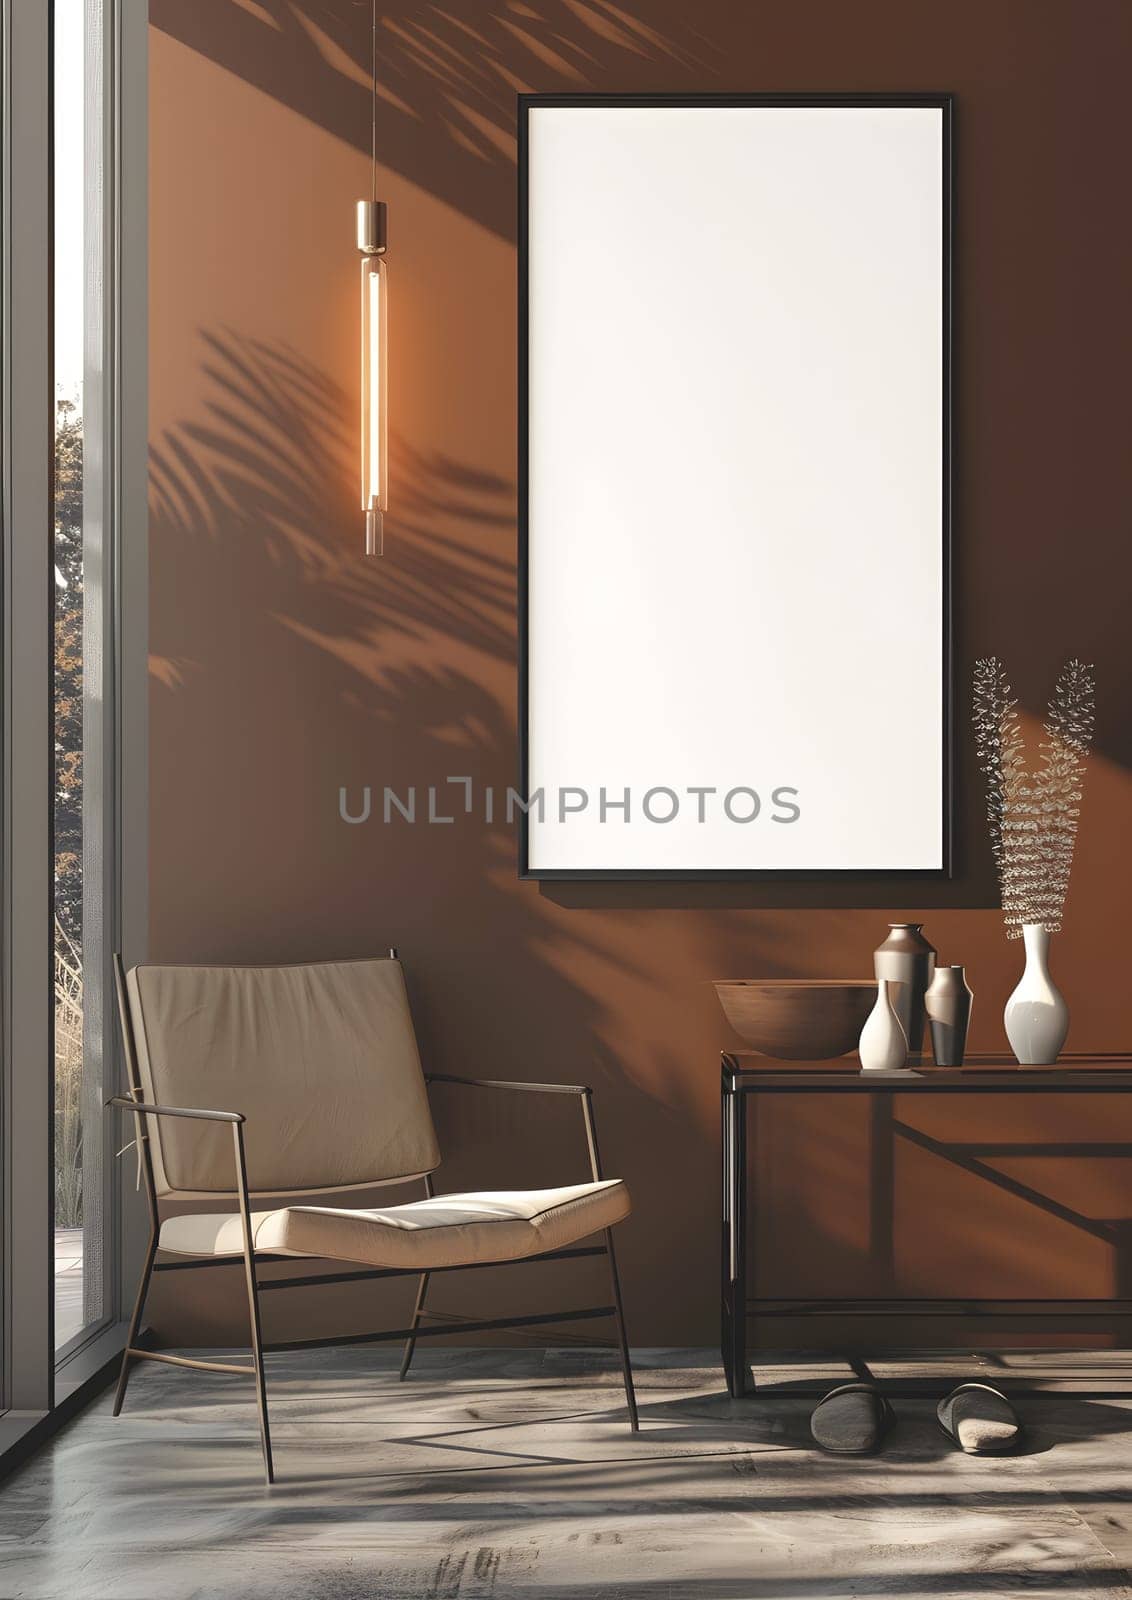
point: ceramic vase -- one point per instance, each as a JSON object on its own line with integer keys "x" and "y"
{"x": 883, "y": 1046}
{"x": 1036, "y": 1017}
{"x": 907, "y": 961}
{"x": 948, "y": 1006}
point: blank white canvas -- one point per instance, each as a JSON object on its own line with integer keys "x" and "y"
{"x": 735, "y": 422}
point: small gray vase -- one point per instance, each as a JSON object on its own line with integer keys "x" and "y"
{"x": 948, "y": 1006}
{"x": 907, "y": 960}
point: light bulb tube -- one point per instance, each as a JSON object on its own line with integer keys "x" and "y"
{"x": 375, "y": 461}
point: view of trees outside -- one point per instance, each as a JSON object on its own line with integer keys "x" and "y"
{"x": 79, "y": 1120}
{"x": 68, "y": 813}
{"x": 77, "y": 1283}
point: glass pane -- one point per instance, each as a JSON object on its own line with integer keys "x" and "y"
{"x": 78, "y": 1285}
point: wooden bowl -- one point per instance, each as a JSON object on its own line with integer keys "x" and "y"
{"x": 797, "y": 1019}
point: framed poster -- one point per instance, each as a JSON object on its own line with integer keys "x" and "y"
{"x": 734, "y": 485}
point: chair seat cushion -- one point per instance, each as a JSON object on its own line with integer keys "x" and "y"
{"x": 449, "y": 1230}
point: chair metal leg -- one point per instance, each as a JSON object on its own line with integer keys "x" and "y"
{"x": 253, "y": 1303}
{"x": 411, "y": 1342}
{"x": 622, "y": 1340}
{"x": 257, "y": 1363}
{"x": 135, "y": 1320}
{"x": 422, "y": 1289}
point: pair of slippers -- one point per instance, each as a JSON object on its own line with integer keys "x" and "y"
{"x": 854, "y": 1420}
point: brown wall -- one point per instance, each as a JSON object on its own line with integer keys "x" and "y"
{"x": 285, "y": 665}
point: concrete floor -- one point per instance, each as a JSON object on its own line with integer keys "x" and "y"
{"x": 511, "y": 1474}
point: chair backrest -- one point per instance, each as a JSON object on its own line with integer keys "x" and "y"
{"x": 320, "y": 1058}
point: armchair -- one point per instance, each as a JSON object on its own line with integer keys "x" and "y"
{"x": 324, "y": 1057}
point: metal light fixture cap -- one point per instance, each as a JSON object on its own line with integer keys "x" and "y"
{"x": 371, "y": 227}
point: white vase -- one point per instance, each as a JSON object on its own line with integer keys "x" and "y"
{"x": 883, "y": 1046}
{"x": 1036, "y": 1016}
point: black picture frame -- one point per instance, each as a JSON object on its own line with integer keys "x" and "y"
{"x": 943, "y": 102}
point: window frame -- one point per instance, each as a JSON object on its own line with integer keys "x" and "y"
{"x": 37, "y": 1392}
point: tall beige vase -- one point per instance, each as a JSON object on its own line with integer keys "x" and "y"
{"x": 907, "y": 961}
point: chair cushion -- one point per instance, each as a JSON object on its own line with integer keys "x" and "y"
{"x": 320, "y": 1058}
{"x": 450, "y": 1230}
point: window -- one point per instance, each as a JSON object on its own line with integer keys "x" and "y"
{"x": 73, "y": 685}
{"x": 79, "y": 1124}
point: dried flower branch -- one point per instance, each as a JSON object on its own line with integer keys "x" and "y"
{"x": 1060, "y": 783}
{"x": 1033, "y": 820}
{"x": 998, "y": 744}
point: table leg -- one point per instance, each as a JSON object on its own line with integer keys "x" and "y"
{"x": 734, "y": 1241}
{"x": 882, "y": 1193}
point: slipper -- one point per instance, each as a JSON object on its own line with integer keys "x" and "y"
{"x": 979, "y": 1419}
{"x": 851, "y": 1420}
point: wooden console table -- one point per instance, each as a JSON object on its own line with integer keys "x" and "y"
{"x": 746, "y": 1073}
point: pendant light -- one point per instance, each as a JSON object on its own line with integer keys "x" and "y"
{"x": 371, "y": 243}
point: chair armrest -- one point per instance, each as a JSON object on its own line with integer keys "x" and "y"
{"x": 505, "y": 1083}
{"x": 174, "y": 1111}
{"x": 580, "y": 1090}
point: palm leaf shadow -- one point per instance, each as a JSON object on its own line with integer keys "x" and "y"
{"x": 447, "y": 81}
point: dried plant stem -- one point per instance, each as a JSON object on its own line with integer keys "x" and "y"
{"x": 1033, "y": 818}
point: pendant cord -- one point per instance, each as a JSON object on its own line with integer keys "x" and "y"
{"x": 373, "y": 108}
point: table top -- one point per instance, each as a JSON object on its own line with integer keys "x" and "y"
{"x": 994, "y": 1072}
